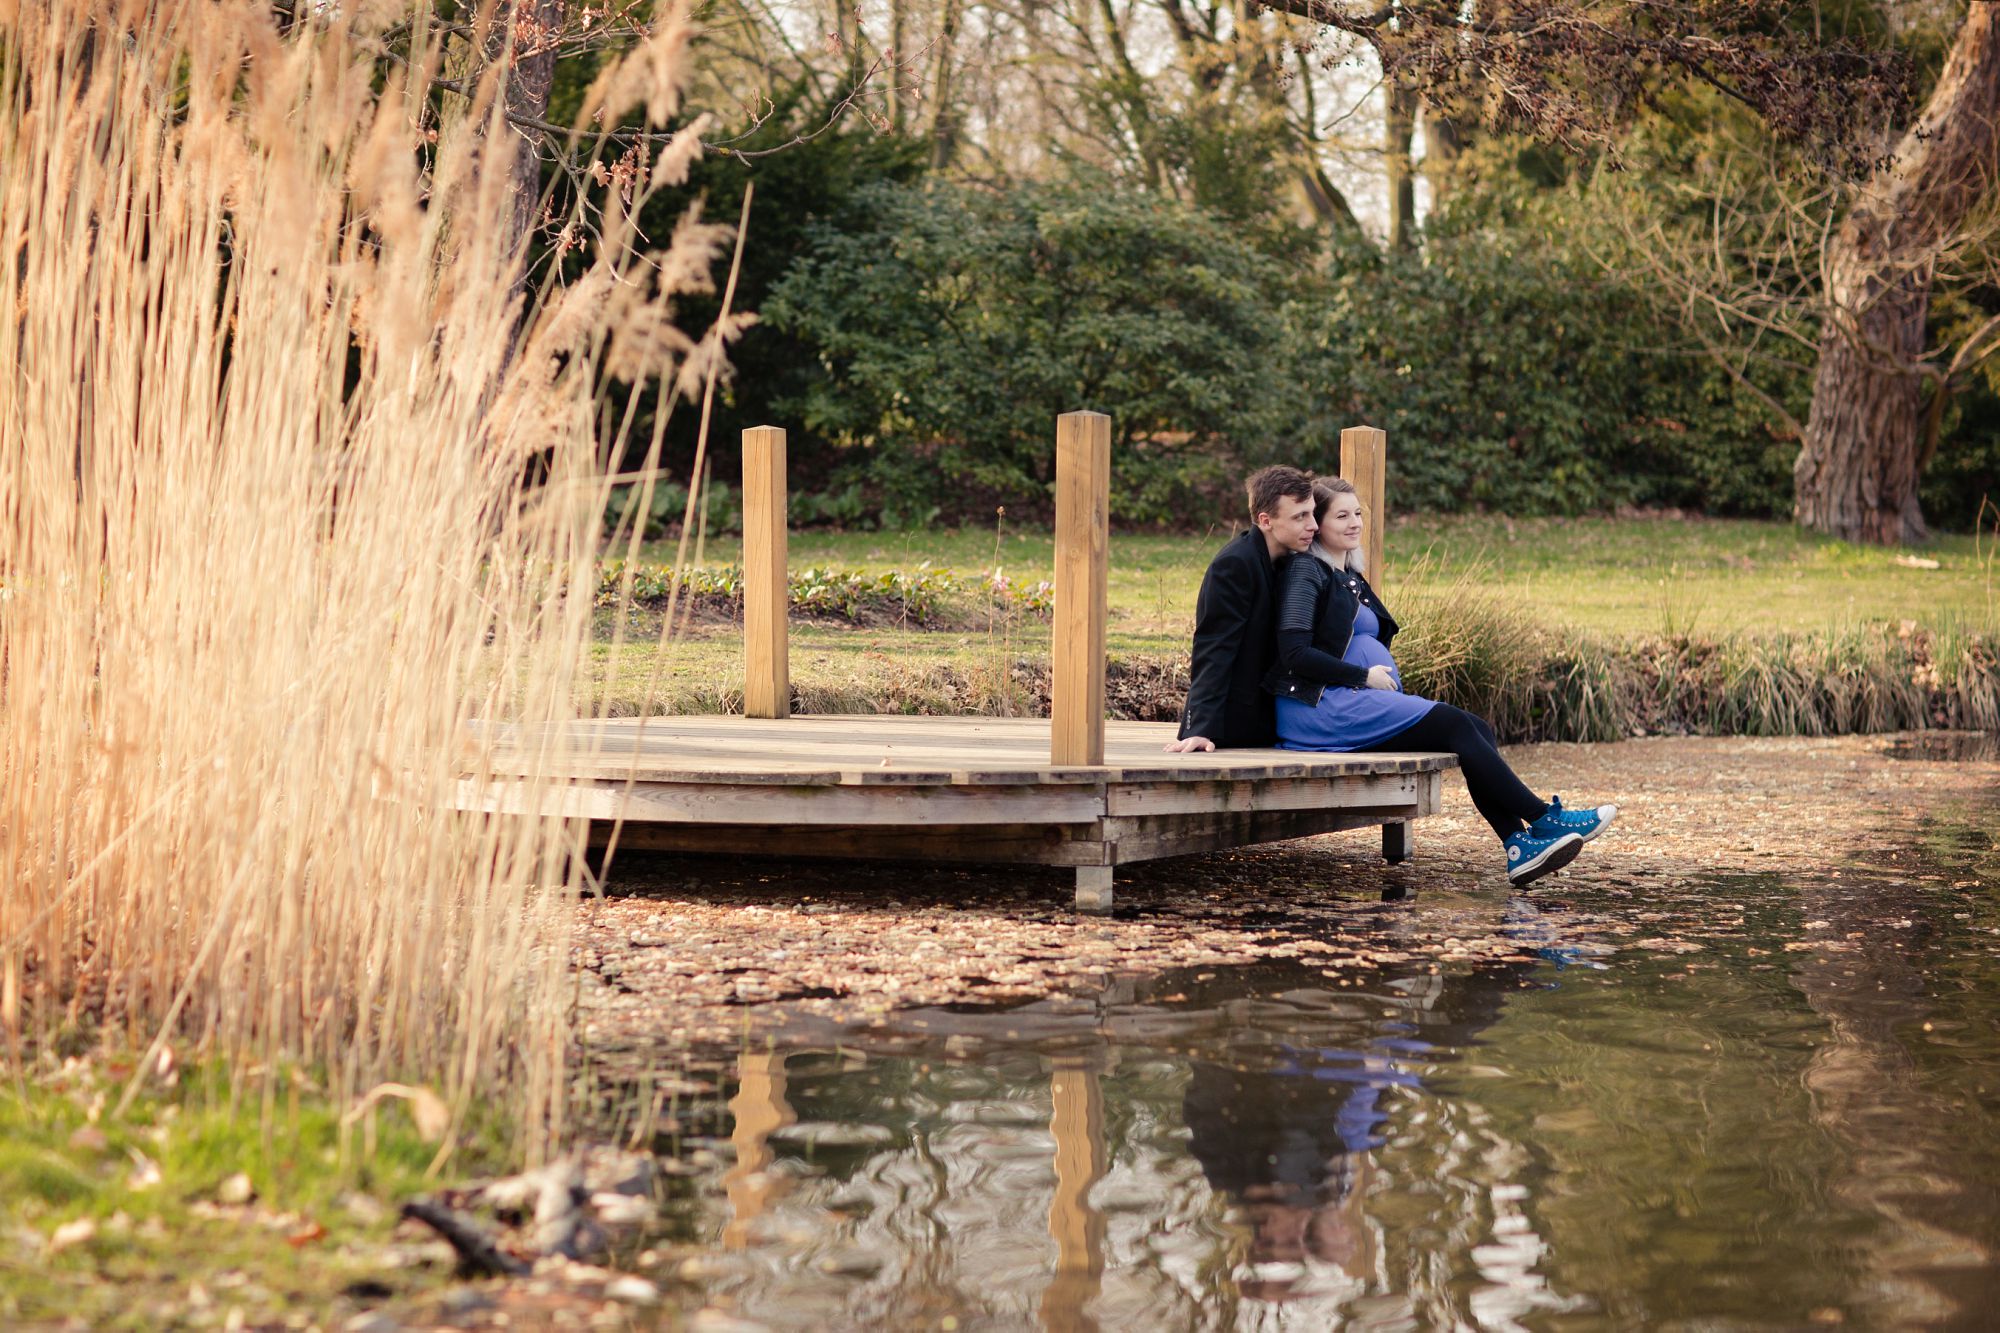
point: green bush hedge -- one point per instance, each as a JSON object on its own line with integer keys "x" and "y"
{"x": 1510, "y": 376}
{"x": 951, "y": 324}
{"x": 955, "y": 323}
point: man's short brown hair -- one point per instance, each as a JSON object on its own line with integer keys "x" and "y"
{"x": 1268, "y": 485}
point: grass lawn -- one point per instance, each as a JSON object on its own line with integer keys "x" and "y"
{"x": 125, "y": 1220}
{"x": 840, "y": 669}
{"x": 1620, "y": 577}
{"x": 1611, "y": 580}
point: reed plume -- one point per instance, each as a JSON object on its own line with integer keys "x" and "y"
{"x": 297, "y": 486}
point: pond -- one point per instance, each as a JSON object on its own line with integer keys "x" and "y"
{"x": 1752, "y": 1103}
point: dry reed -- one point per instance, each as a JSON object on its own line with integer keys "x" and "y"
{"x": 294, "y": 490}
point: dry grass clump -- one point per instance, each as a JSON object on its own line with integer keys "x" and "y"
{"x": 1460, "y": 643}
{"x": 1861, "y": 679}
{"x": 1535, "y": 682}
{"x": 293, "y": 488}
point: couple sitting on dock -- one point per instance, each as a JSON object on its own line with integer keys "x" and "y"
{"x": 1291, "y": 646}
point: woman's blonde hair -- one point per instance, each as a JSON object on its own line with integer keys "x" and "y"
{"x": 1324, "y": 489}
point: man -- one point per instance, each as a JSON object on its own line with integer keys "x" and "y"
{"x": 1234, "y": 642}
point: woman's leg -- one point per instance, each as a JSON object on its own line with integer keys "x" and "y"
{"x": 1504, "y": 801}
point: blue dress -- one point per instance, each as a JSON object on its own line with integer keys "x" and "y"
{"x": 1352, "y": 719}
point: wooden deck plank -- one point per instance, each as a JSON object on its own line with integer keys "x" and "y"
{"x": 903, "y": 773}
{"x": 739, "y": 803}
{"x": 1012, "y": 844}
{"x": 851, "y": 750}
{"x": 1116, "y": 841}
{"x": 1154, "y": 837}
{"x": 1385, "y": 791}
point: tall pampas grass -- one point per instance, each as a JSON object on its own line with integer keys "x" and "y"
{"x": 292, "y": 490}
{"x": 1461, "y": 644}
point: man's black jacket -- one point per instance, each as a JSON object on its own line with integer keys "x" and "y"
{"x": 1234, "y": 645}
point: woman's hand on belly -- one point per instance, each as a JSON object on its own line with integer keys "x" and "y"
{"x": 1381, "y": 678}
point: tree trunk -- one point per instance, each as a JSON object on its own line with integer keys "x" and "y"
{"x": 944, "y": 126}
{"x": 1445, "y": 138}
{"x": 1856, "y": 475}
{"x": 1321, "y": 200}
{"x": 1399, "y": 127}
{"x": 529, "y": 83}
{"x": 1131, "y": 95}
{"x": 896, "y": 65}
{"x": 1322, "y": 197}
{"x": 1858, "y": 468}
{"x": 523, "y": 31}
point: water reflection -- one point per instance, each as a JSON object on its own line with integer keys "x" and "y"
{"x": 1288, "y": 1127}
{"x": 1202, "y": 1144}
{"x": 1077, "y": 1125}
{"x": 1771, "y": 1109}
{"x": 1955, "y": 747}
{"x": 1902, "y": 1156}
{"x": 1297, "y": 1169}
{"x": 757, "y": 1109}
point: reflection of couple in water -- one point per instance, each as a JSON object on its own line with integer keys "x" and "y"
{"x": 1289, "y": 1143}
{"x": 1287, "y": 1127}
{"x": 1286, "y": 611}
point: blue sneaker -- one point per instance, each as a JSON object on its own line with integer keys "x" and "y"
{"x": 1530, "y": 855}
{"x": 1586, "y": 824}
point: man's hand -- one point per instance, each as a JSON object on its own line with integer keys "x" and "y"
{"x": 1190, "y": 745}
{"x": 1379, "y": 678}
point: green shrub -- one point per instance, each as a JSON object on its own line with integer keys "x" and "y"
{"x": 1513, "y": 376}
{"x": 923, "y": 597}
{"x": 668, "y": 508}
{"x": 954, "y": 324}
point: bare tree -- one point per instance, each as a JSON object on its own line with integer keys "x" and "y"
{"x": 1779, "y": 264}
{"x": 1399, "y": 128}
{"x": 1864, "y": 446}
{"x": 1575, "y": 73}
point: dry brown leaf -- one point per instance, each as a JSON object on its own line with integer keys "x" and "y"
{"x": 427, "y": 1110}
{"x": 71, "y": 1233}
{"x": 305, "y": 1235}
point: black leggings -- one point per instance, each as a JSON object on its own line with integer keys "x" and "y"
{"x": 1504, "y": 801}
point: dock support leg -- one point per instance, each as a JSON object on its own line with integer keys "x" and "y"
{"x": 1396, "y": 842}
{"x": 1093, "y": 888}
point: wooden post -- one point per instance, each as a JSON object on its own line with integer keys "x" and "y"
{"x": 1083, "y": 541}
{"x": 1363, "y": 460}
{"x": 1094, "y": 888}
{"x": 767, "y": 674}
{"x": 1364, "y": 457}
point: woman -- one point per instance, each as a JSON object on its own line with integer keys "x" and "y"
{"x": 1338, "y": 689}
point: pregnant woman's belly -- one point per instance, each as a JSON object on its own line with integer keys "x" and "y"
{"x": 1351, "y": 719}
{"x": 1368, "y": 651}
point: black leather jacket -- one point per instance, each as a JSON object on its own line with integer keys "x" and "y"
{"x": 1316, "y": 607}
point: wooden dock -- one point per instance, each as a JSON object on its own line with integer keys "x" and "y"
{"x": 950, "y": 789}
{"x": 1069, "y": 790}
